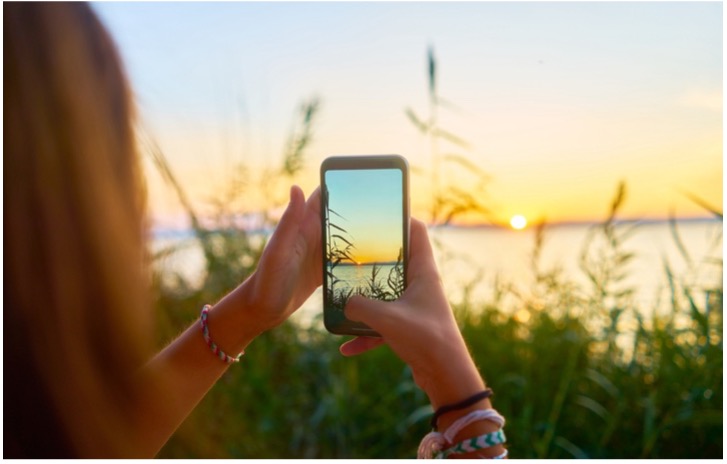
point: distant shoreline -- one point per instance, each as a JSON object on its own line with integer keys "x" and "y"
{"x": 381, "y": 263}
{"x": 173, "y": 232}
{"x": 532, "y": 223}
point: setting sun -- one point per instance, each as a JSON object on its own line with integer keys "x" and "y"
{"x": 518, "y": 222}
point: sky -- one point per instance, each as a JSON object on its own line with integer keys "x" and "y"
{"x": 558, "y": 102}
{"x": 369, "y": 207}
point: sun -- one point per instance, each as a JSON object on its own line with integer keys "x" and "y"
{"x": 518, "y": 222}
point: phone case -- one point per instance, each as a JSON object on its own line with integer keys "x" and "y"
{"x": 364, "y": 219}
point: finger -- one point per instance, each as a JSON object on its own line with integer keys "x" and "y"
{"x": 297, "y": 202}
{"x": 421, "y": 256}
{"x": 311, "y": 222}
{"x": 287, "y": 229}
{"x": 360, "y": 345}
{"x": 313, "y": 205}
{"x": 374, "y": 313}
{"x": 309, "y": 239}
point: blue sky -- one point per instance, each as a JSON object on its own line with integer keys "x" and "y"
{"x": 559, "y": 101}
{"x": 370, "y": 205}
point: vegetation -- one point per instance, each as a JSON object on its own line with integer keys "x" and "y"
{"x": 338, "y": 253}
{"x": 578, "y": 370}
{"x": 457, "y": 185}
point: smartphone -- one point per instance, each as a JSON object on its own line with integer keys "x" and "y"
{"x": 365, "y": 225}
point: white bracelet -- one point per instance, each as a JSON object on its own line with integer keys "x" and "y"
{"x": 501, "y": 456}
{"x": 434, "y": 442}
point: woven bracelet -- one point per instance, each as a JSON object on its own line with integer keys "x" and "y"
{"x": 477, "y": 443}
{"x": 213, "y": 346}
{"x": 467, "y": 402}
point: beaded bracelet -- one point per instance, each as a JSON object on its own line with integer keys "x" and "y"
{"x": 213, "y": 346}
{"x": 476, "y": 443}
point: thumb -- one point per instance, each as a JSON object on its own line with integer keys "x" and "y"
{"x": 374, "y": 313}
{"x": 287, "y": 229}
{"x": 296, "y": 205}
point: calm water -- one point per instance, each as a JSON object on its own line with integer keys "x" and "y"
{"x": 507, "y": 255}
{"x": 360, "y": 276}
{"x": 482, "y": 256}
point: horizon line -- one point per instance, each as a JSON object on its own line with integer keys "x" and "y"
{"x": 369, "y": 263}
{"x": 579, "y": 222}
{"x": 154, "y": 229}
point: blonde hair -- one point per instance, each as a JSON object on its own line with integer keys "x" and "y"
{"x": 76, "y": 306}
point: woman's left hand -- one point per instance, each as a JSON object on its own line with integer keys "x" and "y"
{"x": 289, "y": 269}
{"x": 288, "y": 272}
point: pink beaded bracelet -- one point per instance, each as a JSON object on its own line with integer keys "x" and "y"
{"x": 213, "y": 346}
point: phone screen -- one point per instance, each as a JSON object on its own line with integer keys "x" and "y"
{"x": 365, "y": 221}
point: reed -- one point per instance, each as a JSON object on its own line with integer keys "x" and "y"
{"x": 339, "y": 249}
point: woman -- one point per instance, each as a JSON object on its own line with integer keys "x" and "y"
{"x": 80, "y": 377}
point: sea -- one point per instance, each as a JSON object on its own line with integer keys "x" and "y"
{"x": 480, "y": 263}
{"x": 360, "y": 276}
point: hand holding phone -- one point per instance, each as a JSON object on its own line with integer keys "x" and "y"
{"x": 421, "y": 329}
{"x": 365, "y": 234}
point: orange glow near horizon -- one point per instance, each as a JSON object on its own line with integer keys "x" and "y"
{"x": 371, "y": 259}
{"x": 646, "y": 199}
{"x": 656, "y": 178}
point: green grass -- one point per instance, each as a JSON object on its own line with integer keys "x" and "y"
{"x": 295, "y": 396}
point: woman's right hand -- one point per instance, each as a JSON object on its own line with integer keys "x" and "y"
{"x": 420, "y": 328}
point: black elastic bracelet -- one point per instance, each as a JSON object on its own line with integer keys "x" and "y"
{"x": 461, "y": 405}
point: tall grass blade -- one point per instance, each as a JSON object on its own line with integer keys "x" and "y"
{"x": 677, "y": 238}
{"x": 432, "y": 73}
{"x": 338, "y": 228}
{"x": 602, "y": 381}
{"x": 593, "y": 406}
{"x": 339, "y": 237}
{"x": 571, "y": 448}
{"x": 450, "y": 137}
{"x": 467, "y": 164}
{"x": 543, "y": 445}
{"x": 702, "y": 320}
{"x": 717, "y": 213}
{"x": 418, "y": 123}
{"x": 293, "y": 160}
{"x": 618, "y": 200}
